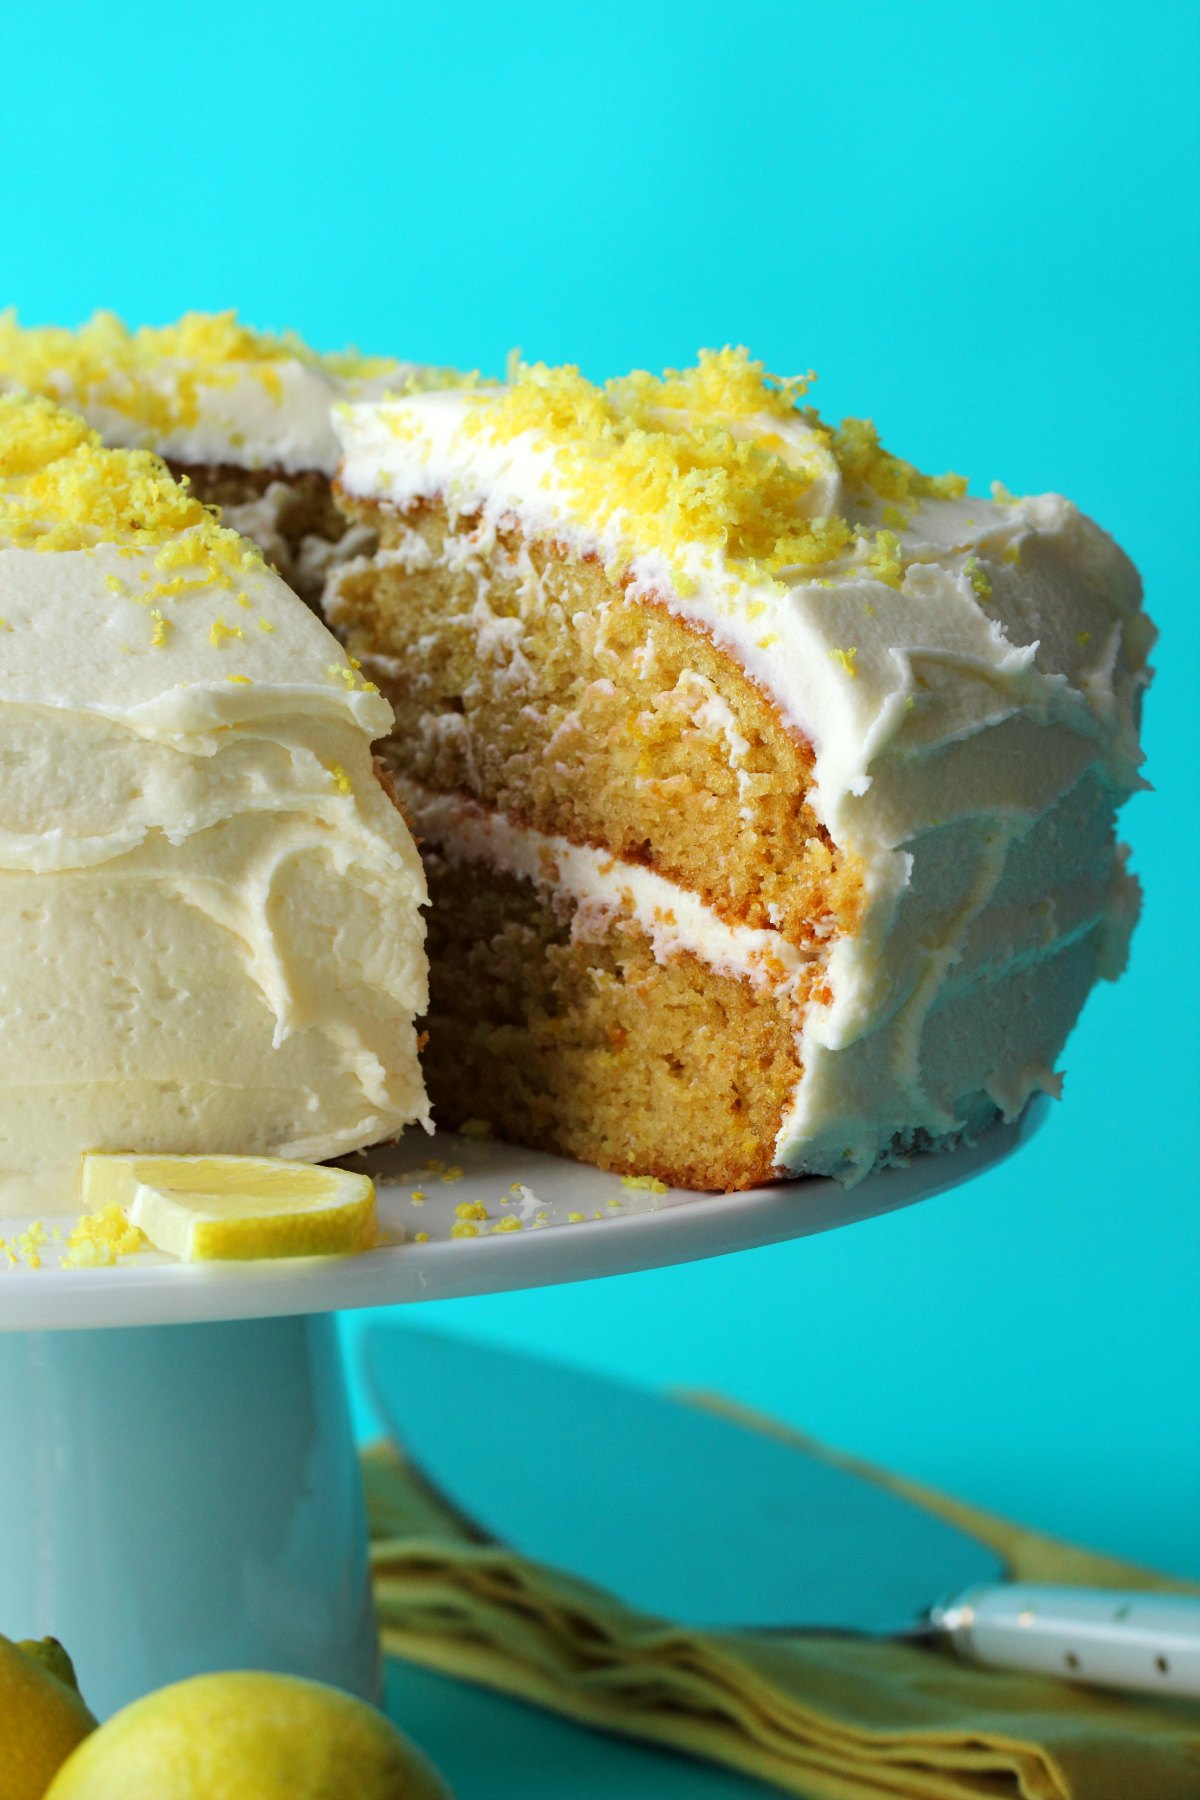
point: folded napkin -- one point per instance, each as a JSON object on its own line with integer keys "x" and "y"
{"x": 824, "y": 1717}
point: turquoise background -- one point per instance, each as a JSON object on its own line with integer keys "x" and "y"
{"x": 980, "y": 225}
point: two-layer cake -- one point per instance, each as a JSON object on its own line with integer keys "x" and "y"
{"x": 766, "y": 786}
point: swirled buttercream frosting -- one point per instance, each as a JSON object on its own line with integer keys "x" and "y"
{"x": 209, "y": 927}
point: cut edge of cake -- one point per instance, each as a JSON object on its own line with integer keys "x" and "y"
{"x": 916, "y": 708}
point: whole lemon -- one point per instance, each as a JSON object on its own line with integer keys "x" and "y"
{"x": 247, "y": 1737}
{"x": 42, "y": 1717}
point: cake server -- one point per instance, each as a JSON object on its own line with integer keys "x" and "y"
{"x": 688, "y": 1516}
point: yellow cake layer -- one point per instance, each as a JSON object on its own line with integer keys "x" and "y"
{"x": 534, "y": 683}
{"x": 586, "y": 1043}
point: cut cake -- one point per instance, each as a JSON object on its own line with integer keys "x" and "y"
{"x": 766, "y": 786}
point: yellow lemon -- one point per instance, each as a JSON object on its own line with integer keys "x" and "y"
{"x": 42, "y": 1717}
{"x": 247, "y": 1737}
{"x": 218, "y": 1208}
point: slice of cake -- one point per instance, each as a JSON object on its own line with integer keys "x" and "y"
{"x": 243, "y": 415}
{"x": 209, "y": 929}
{"x": 766, "y": 786}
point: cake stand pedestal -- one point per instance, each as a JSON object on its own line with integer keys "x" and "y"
{"x": 177, "y": 1498}
{"x": 179, "y": 1489}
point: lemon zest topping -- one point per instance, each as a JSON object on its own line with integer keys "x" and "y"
{"x": 105, "y": 361}
{"x": 865, "y": 463}
{"x": 61, "y": 490}
{"x": 644, "y": 1183}
{"x": 340, "y": 779}
{"x": 101, "y": 1239}
{"x": 656, "y": 458}
{"x": 27, "y": 1248}
{"x": 471, "y": 1209}
{"x": 885, "y": 561}
{"x": 978, "y": 576}
{"x": 349, "y": 678}
{"x": 848, "y": 660}
{"x": 695, "y": 458}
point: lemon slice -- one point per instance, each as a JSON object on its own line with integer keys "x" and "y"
{"x": 230, "y": 1208}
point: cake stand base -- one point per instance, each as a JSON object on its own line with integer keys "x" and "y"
{"x": 179, "y": 1489}
{"x": 181, "y": 1498}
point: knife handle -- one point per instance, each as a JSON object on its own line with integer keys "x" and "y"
{"x": 1150, "y": 1642}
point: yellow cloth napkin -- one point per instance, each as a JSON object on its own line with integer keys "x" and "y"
{"x": 827, "y": 1718}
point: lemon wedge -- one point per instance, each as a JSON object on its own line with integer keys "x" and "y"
{"x": 230, "y": 1208}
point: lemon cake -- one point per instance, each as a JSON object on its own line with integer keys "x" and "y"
{"x": 766, "y": 786}
{"x": 210, "y": 936}
{"x": 243, "y": 415}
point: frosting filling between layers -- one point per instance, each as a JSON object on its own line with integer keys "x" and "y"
{"x": 951, "y": 1039}
{"x": 604, "y": 888}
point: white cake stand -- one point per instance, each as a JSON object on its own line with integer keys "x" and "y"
{"x": 178, "y": 1484}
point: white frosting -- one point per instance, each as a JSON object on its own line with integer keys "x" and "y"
{"x": 209, "y": 935}
{"x": 967, "y": 727}
{"x": 253, "y": 414}
{"x": 603, "y": 888}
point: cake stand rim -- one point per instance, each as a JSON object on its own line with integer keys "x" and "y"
{"x": 684, "y": 1230}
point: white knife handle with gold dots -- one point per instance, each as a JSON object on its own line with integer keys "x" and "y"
{"x": 1150, "y": 1642}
